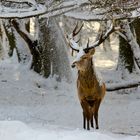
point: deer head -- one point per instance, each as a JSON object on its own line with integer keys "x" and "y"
{"x": 83, "y": 58}
{"x": 85, "y": 54}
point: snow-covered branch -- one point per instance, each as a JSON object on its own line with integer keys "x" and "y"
{"x": 25, "y": 35}
{"x": 82, "y": 10}
{"x": 96, "y": 15}
{"x": 20, "y": 9}
{"x": 26, "y": 10}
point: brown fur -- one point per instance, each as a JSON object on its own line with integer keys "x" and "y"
{"x": 90, "y": 92}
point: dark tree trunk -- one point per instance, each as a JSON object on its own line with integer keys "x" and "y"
{"x": 125, "y": 60}
{"x": 33, "y": 47}
{"x": 1, "y": 47}
{"x": 54, "y": 55}
{"x": 44, "y": 39}
{"x": 49, "y": 55}
{"x": 136, "y": 25}
{"x": 27, "y": 26}
{"x": 106, "y": 43}
{"x": 11, "y": 39}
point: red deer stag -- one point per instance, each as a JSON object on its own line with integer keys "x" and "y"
{"x": 91, "y": 90}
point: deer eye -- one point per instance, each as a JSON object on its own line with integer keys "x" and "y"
{"x": 86, "y": 50}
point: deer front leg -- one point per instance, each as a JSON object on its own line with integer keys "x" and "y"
{"x": 84, "y": 120}
{"x": 86, "y": 114}
{"x": 97, "y": 105}
{"x": 96, "y": 120}
{"x": 88, "y": 126}
{"x": 92, "y": 124}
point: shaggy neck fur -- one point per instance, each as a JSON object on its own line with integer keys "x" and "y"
{"x": 87, "y": 77}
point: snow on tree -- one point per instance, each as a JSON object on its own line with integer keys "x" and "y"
{"x": 87, "y": 10}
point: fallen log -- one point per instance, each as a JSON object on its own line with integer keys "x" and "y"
{"x": 122, "y": 85}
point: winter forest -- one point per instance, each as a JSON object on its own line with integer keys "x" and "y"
{"x": 70, "y": 69}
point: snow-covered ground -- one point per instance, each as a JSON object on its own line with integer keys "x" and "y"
{"x": 34, "y": 108}
{"x": 15, "y": 130}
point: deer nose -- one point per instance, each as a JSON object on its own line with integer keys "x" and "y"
{"x": 73, "y": 65}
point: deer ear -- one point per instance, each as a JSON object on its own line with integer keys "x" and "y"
{"x": 92, "y": 51}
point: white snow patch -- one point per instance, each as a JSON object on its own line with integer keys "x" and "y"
{"x": 16, "y": 130}
{"x": 79, "y": 54}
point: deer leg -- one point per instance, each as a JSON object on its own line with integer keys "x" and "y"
{"x": 91, "y": 121}
{"x": 84, "y": 120}
{"x": 88, "y": 127}
{"x": 86, "y": 114}
{"x": 96, "y": 120}
{"x": 88, "y": 119}
{"x": 97, "y": 104}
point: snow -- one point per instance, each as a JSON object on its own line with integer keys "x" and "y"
{"x": 16, "y": 130}
{"x": 69, "y": 8}
{"x": 35, "y": 9}
{"x": 79, "y": 54}
{"x": 35, "y": 108}
{"x": 73, "y": 43}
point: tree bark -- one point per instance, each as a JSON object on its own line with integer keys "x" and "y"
{"x": 128, "y": 49}
{"x": 54, "y": 54}
{"x": 130, "y": 37}
{"x": 33, "y": 47}
{"x": 49, "y": 55}
{"x": 136, "y": 25}
{"x": 125, "y": 60}
{"x": 106, "y": 43}
{"x": 11, "y": 39}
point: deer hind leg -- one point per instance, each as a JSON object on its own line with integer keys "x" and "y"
{"x": 97, "y": 105}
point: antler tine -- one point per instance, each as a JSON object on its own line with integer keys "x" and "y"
{"x": 88, "y": 44}
{"x": 73, "y": 48}
{"x": 74, "y": 31}
{"x": 78, "y": 40}
{"x": 87, "y": 48}
{"x": 102, "y": 37}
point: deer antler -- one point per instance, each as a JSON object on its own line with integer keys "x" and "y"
{"x": 74, "y": 33}
{"x": 70, "y": 38}
{"x": 102, "y": 37}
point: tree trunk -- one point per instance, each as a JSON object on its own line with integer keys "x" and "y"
{"x": 1, "y": 48}
{"x": 33, "y": 47}
{"x": 11, "y": 39}
{"x": 54, "y": 55}
{"x": 126, "y": 60}
{"x": 130, "y": 37}
{"x": 49, "y": 54}
{"x": 136, "y": 25}
{"x": 106, "y": 44}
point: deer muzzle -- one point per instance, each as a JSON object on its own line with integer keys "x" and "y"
{"x": 73, "y": 65}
